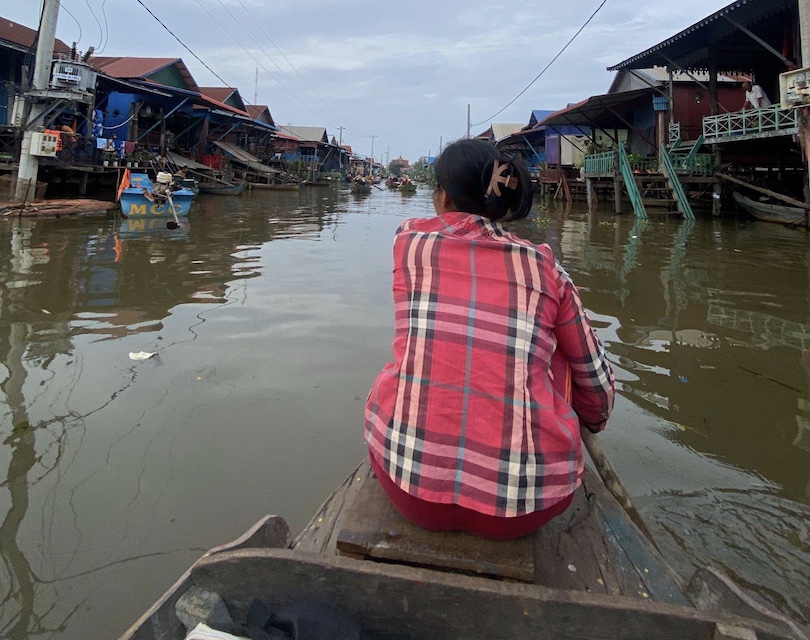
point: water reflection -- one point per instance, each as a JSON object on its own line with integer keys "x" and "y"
{"x": 271, "y": 315}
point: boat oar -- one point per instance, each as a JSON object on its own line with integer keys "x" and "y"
{"x": 612, "y": 483}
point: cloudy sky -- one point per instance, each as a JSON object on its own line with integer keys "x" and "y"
{"x": 401, "y": 71}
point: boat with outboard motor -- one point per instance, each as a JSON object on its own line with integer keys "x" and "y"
{"x": 142, "y": 198}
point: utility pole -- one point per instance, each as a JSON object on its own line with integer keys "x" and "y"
{"x": 372, "y": 152}
{"x": 441, "y": 146}
{"x": 468, "y": 121}
{"x": 29, "y": 164}
{"x": 804, "y": 26}
{"x": 341, "y": 137}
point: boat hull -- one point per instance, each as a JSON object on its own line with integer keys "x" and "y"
{"x": 770, "y": 212}
{"x": 134, "y": 204}
{"x": 222, "y": 190}
{"x": 274, "y": 187}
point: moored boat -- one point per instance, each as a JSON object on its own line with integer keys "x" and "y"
{"x": 590, "y": 573}
{"x": 770, "y": 212}
{"x": 277, "y": 186}
{"x": 360, "y": 187}
{"x": 145, "y": 199}
{"x": 213, "y": 189}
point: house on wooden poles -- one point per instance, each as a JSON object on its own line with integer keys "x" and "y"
{"x": 752, "y": 150}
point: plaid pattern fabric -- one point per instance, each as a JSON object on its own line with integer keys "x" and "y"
{"x": 472, "y": 410}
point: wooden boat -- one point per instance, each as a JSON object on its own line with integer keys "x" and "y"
{"x": 212, "y": 189}
{"x": 278, "y": 186}
{"x": 135, "y": 203}
{"x": 316, "y": 183}
{"x": 589, "y": 573}
{"x": 392, "y": 182}
{"x": 407, "y": 187}
{"x": 360, "y": 187}
{"x": 770, "y": 212}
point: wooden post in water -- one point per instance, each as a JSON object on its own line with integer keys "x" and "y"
{"x": 717, "y": 159}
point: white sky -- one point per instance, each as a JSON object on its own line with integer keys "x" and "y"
{"x": 404, "y": 71}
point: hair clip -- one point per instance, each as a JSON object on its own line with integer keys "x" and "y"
{"x": 500, "y": 176}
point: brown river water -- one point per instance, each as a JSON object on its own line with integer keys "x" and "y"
{"x": 270, "y": 318}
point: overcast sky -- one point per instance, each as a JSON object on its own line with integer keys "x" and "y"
{"x": 403, "y": 71}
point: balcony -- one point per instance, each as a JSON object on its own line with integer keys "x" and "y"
{"x": 754, "y": 124}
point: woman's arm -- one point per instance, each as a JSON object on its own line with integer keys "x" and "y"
{"x": 591, "y": 374}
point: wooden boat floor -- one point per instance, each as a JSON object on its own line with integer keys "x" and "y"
{"x": 593, "y": 547}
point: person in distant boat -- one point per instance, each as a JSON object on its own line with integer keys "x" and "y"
{"x": 755, "y": 97}
{"x": 475, "y": 425}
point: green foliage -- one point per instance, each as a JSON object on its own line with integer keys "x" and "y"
{"x": 421, "y": 172}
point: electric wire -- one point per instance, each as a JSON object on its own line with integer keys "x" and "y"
{"x": 98, "y": 22}
{"x": 283, "y": 86}
{"x": 78, "y": 24}
{"x": 182, "y": 44}
{"x": 320, "y": 115}
{"x": 106, "y": 28}
{"x": 311, "y": 88}
{"x": 553, "y": 60}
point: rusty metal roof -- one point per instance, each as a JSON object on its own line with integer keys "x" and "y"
{"x": 221, "y": 94}
{"x": 22, "y": 38}
{"x": 131, "y": 68}
{"x": 735, "y": 51}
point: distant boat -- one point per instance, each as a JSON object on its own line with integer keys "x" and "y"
{"x": 138, "y": 200}
{"x": 407, "y": 187}
{"x": 770, "y": 212}
{"x": 222, "y": 189}
{"x": 316, "y": 183}
{"x": 279, "y": 186}
{"x": 360, "y": 187}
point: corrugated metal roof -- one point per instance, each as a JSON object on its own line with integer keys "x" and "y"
{"x": 179, "y": 161}
{"x": 131, "y": 68}
{"x": 217, "y": 93}
{"x": 694, "y": 40}
{"x": 243, "y": 157}
{"x": 501, "y": 130}
{"x": 22, "y": 37}
{"x": 593, "y": 110}
{"x": 306, "y": 134}
{"x": 260, "y": 112}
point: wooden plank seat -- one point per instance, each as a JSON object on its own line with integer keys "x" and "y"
{"x": 593, "y": 547}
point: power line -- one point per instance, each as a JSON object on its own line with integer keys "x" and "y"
{"x": 311, "y": 88}
{"x": 200, "y": 60}
{"x": 78, "y": 24}
{"x": 106, "y": 28}
{"x": 98, "y": 22}
{"x": 321, "y": 114}
{"x": 283, "y": 86}
{"x": 554, "y": 59}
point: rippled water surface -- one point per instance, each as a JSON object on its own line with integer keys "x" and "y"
{"x": 270, "y": 318}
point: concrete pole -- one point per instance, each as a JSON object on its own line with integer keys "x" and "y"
{"x": 29, "y": 164}
{"x": 804, "y": 26}
{"x": 468, "y": 121}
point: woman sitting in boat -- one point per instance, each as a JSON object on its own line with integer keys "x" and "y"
{"x": 475, "y": 426}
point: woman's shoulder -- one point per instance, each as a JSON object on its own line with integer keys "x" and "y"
{"x": 420, "y": 224}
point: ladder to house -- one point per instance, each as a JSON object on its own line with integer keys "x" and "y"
{"x": 630, "y": 184}
{"x": 673, "y": 182}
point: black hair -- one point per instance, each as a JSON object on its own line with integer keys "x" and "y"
{"x": 464, "y": 171}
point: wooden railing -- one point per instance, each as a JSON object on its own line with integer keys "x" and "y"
{"x": 600, "y": 164}
{"x": 754, "y": 123}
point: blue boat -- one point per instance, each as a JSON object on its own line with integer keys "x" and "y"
{"x": 142, "y": 199}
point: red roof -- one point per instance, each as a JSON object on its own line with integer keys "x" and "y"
{"x": 130, "y": 68}
{"x": 257, "y": 110}
{"x": 217, "y": 93}
{"x": 24, "y": 37}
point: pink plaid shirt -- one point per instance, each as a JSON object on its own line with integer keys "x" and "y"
{"x": 470, "y": 412}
